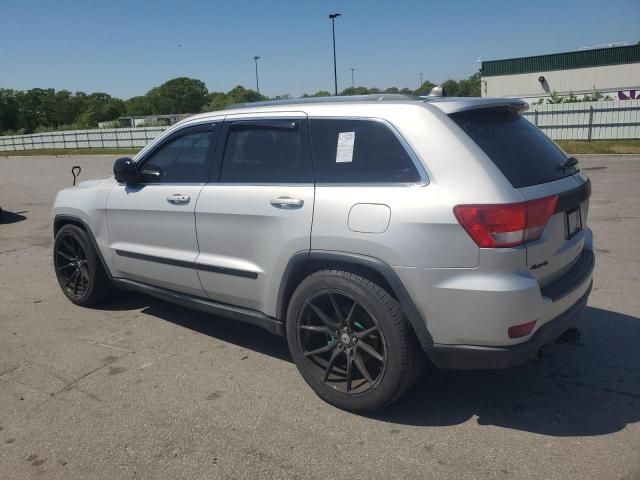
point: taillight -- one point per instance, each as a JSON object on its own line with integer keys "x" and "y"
{"x": 506, "y": 225}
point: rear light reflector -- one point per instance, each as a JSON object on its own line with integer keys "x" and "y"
{"x": 523, "y": 330}
{"x": 506, "y": 225}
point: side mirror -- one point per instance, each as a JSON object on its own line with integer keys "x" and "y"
{"x": 125, "y": 170}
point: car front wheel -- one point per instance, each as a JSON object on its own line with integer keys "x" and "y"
{"x": 78, "y": 268}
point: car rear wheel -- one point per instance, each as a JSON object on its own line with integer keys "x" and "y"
{"x": 78, "y": 268}
{"x": 350, "y": 341}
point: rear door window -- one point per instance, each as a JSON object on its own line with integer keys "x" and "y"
{"x": 523, "y": 154}
{"x": 267, "y": 151}
{"x": 359, "y": 151}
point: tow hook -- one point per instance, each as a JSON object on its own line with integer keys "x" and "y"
{"x": 571, "y": 336}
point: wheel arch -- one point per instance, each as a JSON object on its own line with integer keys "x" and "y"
{"x": 61, "y": 220}
{"x": 305, "y": 263}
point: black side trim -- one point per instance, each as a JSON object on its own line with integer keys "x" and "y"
{"x": 227, "y": 271}
{"x": 471, "y": 357}
{"x": 574, "y": 197}
{"x": 185, "y": 264}
{"x": 64, "y": 219}
{"x": 205, "y": 305}
{"x": 406, "y": 303}
{"x": 153, "y": 258}
{"x": 580, "y": 271}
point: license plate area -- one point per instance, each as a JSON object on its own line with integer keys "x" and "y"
{"x": 573, "y": 222}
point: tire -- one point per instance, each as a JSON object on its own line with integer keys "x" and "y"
{"x": 79, "y": 271}
{"x": 332, "y": 315}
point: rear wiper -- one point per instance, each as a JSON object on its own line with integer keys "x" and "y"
{"x": 568, "y": 163}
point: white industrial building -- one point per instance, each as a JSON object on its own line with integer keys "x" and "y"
{"x": 612, "y": 71}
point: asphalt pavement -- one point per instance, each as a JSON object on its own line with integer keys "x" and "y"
{"x": 140, "y": 388}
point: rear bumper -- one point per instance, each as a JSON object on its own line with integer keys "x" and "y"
{"x": 479, "y": 357}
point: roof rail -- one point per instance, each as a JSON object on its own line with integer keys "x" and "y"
{"x": 374, "y": 97}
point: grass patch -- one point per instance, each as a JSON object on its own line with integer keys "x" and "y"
{"x": 603, "y": 147}
{"x": 71, "y": 151}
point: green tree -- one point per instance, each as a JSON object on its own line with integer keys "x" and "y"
{"x": 179, "y": 95}
{"x": 424, "y": 88}
{"x": 8, "y": 110}
{"x": 469, "y": 87}
{"x": 356, "y": 91}
{"x": 319, "y": 93}
{"x": 100, "y": 107}
{"x": 451, "y": 88}
{"x": 140, "y": 105}
{"x": 238, "y": 94}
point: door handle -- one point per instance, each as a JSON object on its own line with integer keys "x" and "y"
{"x": 287, "y": 203}
{"x": 178, "y": 199}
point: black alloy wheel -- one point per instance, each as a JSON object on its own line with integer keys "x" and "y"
{"x": 343, "y": 340}
{"x": 79, "y": 271}
{"x": 70, "y": 260}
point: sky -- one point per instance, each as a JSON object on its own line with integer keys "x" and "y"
{"x": 125, "y": 48}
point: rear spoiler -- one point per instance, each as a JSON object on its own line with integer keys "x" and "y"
{"x": 451, "y": 105}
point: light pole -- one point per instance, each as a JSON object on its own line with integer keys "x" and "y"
{"x": 333, "y": 17}
{"x": 353, "y": 84}
{"x": 255, "y": 59}
{"x": 420, "y": 80}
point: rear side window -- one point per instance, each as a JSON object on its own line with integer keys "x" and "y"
{"x": 270, "y": 151}
{"x": 524, "y": 154}
{"x": 359, "y": 151}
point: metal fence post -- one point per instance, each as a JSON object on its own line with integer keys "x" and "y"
{"x": 535, "y": 117}
{"x": 590, "y": 123}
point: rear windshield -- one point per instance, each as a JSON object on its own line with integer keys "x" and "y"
{"x": 522, "y": 152}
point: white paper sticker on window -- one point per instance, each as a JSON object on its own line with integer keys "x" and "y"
{"x": 344, "y": 152}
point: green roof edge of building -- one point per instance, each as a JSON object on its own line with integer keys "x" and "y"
{"x": 597, "y": 57}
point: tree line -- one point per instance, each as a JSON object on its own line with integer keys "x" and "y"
{"x": 45, "y": 109}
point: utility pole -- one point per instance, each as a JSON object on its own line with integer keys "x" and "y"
{"x": 353, "y": 84}
{"x": 420, "y": 80}
{"x": 255, "y": 59}
{"x": 333, "y": 17}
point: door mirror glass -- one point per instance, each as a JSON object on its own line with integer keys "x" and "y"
{"x": 125, "y": 170}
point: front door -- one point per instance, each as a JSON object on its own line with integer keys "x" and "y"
{"x": 152, "y": 224}
{"x": 256, "y": 211}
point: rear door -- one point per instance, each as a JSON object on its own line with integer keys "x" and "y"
{"x": 534, "y": 166}
{"x": 255, "y": 213}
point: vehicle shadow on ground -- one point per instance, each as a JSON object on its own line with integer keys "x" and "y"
{"x": 240, "y": 334}
{"x": 7, "y": 217}
{"x": 592, "y": 388}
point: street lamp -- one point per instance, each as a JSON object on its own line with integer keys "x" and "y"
{"x": 255, "y": 59}
{"x": 353, "y": 84}
{"x": 333, "y": 17}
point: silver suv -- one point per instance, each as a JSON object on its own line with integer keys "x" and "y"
{"x": 368, "y": 230}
